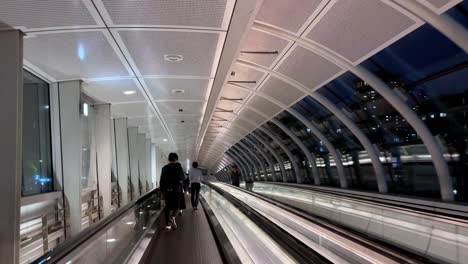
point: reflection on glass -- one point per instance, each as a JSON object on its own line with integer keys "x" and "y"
{"x": 117, "y": 243}
{"x": 425, "y": 234}
{"x": 432, "y": 74}
{"x": 37, "y": 160}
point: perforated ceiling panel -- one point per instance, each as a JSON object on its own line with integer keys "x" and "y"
{"x": 244, "y": 124}
{"x": 182, "y": 131}
{"x": 187, "y": 120}
{"x": 281, "y": 91}
{"x": 441, "y": 3}
{"x": 227, "y": 105}
{"x": 148, "y": 48}
{"x": 233, "y": 92}
{"x": 71, "y": 56}
{"x": 151, "y": 132}
{"x": 263, "y": 42}
{"x": 244, "y": 75}
{"x": 251, "y": 116}
{"x": 131, "y": 110}
{"x": 172, "y": 108}
{"x": 112, "y": 91}
{"x": 144, "y": 121}
{"x": 263, "y": 105}
{"x": 177, "y": 89}
{"x": 45, "y": 13}
{"x": 356, "y": 28}
{"x": 194, "y": 13}
{"x": 307, "y": 68}
{"x": 287, "y": 14}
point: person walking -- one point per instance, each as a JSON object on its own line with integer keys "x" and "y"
{"x": 195, "y": 177}
{"x": 172, "y": 176}
{"x": 249, "y": 185}
{"x": 235, "y": 176}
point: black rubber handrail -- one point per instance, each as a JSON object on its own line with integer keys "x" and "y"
{"x": 62, "y": 250}
{"x": 391, "y": 251}
{"x": 294, "y": 247}
{"x": 401, "y": 205}
{"x": 228, "y": 253}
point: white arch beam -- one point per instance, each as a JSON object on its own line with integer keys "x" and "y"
{"x": 263, "y": 142}
{"x": 249, "y": 167}
{"x": 310, "y": 157}
{"x": 263, "y": 154}
{"x": 440, "y": 164}
{"x": 240, "y": 165}
{"x": 292, "y": 159}
{"x": 314, "y": 130}
{"x": 251, "y": 152}
{"x": 243, "y": 155}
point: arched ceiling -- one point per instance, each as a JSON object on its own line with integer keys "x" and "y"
{"x": 154, "y": 61}
{"x": 150, "y": 58}
{"x": 277, "y": 60}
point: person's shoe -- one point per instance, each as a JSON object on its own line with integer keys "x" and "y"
{"x": 180, "y": 212}
{"x": 196, "y": 208}
{"x": 168, "y": 227}
{"x": 173, "y": 223}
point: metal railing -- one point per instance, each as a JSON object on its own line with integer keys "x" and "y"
{"x": 64, "y": 249}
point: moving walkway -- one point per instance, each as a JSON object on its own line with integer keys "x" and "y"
{"x": 235, "y": 226}
{"x": 435, "y": 230}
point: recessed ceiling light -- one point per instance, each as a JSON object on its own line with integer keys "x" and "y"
{"x": 182, "y": 121}
{"x": 173, "y": 57}
{"x": 110, "y": 240}
{"x": 181, "y": 110}
{"x": 178, "y": 90}
{"x": 129, "y": 92}
{"x": 165, "y": 139}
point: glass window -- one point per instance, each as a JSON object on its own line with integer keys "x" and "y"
{"x": 432, "y": 74}
{"x": 37, "y": 158}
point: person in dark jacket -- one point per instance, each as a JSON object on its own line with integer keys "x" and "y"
{"x": 235, "y": 176}
{"x": 172, "y": 176}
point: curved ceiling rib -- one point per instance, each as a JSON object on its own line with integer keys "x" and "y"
{"x": 332, "y": 56}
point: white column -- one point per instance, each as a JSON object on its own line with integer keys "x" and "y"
{"x": 11, "y": 118}
{"x": 69, "y": 98}
{"x": 104, "y": 155}
{"x": 148, "y": 164}
{"x": 142, "y": 162}
{"x": 122, "y": 157}
{"x": 132, "y": 145}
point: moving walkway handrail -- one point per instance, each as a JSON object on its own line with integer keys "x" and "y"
{"x": 421, "y": 209}
{"x": 398, "y": 254}
{"x": 73, "y": 243}
{"x": 294, "y": 247}
{"x": 227, "y": 251}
